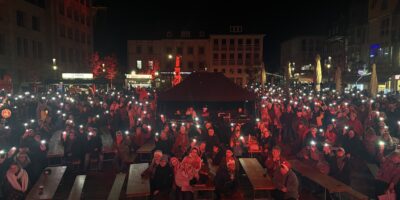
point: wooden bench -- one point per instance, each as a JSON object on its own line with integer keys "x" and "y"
{"x": 49, "y": 182}
{"x": 117, "y": 187}
{"x": 373, "y": 168}
{"x": 146, "y": 148}
{"x": 137, "y": 186}
{"x": 256, "y": 174}
{"x": 329, "y": 183}
{"x": 76, "y": 191}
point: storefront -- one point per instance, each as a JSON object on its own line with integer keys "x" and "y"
{"x": 138, "y": 80}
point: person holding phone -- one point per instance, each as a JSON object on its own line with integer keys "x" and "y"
{"x": 16, "y": 184}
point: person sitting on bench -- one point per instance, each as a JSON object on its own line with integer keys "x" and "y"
{"x": 161, "y": 183}
{"x": 286, "y": 182}
{"x": 227, "y": 180}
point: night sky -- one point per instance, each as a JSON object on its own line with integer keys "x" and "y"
{"x": 279, "y": 20}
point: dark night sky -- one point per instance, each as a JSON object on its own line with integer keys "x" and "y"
{"x": 277, "y": 19}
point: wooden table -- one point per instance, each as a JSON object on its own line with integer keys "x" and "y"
{"x": 325, "y": 181}
{"x": 49, "y": 182}
{"x": 146, "y": 148}
{"x": 137, "y": 186}
{"x": 76, "y": 191}
{"x": 117, "y": 186}
{"x": 256, "y": 174}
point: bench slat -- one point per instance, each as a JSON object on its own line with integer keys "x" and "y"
{"x": 76, "y": 191}
{"x": 117, "y": 187}
{"x": 137, "y": 186}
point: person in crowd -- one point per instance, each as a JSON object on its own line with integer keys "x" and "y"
{"x": 227, "y": 181}
{"x": 228, "y": 156}
{"x": 266, "y": 142}
{"x": 149, "y": 172}
{"x": 122, "y": 157}
{"x": 211, "y": 139}
{"x": 286, "y": 120}
{"x": 161, "y": 183}
{"x": 72, "y": 146}
{"x": 17, "y": 182}
{"x": 163, "y": 143}
{"x": 286, "y": 183}
{"x": 181, "y": 143}
{"x": 93, "y": 148}
{"x": 274, "y": 160}
{"x": 352, "y": 144}
{"x": 355, "y": 123}
{"x": 388, "y": 175}
{"x": 330, "y": 134}
{"x": 216, "y": 155}
{"x": 186, "y": 174}
{"x": 138, "y": 139}
{"x": 237, "y": 144}
{"x": 312, "y": 135}
{"x": 340, "y": 166}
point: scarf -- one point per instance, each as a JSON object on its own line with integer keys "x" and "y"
{"x": 13, "y": 180}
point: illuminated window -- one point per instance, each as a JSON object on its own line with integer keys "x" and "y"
{"x": 139, "y": 64}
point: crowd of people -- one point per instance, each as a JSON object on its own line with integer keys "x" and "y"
{"x": 330, "y": 131}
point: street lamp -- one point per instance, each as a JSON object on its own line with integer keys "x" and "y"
{"x": 328, "y": 64}
{"x": 54, "y": 64}
{"x": 55, "y": 68}
{"x": 103, "y": 66}
{"x": 170, "y": 56}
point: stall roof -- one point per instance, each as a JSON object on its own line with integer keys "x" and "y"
{"x": 207, "y": 87}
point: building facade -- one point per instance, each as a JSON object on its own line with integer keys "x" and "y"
{"x": 35, "y": 32}
{"x": 384, "y": 35}
{"x": 238, "y": 56}
{"x": 300, "y": 52}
